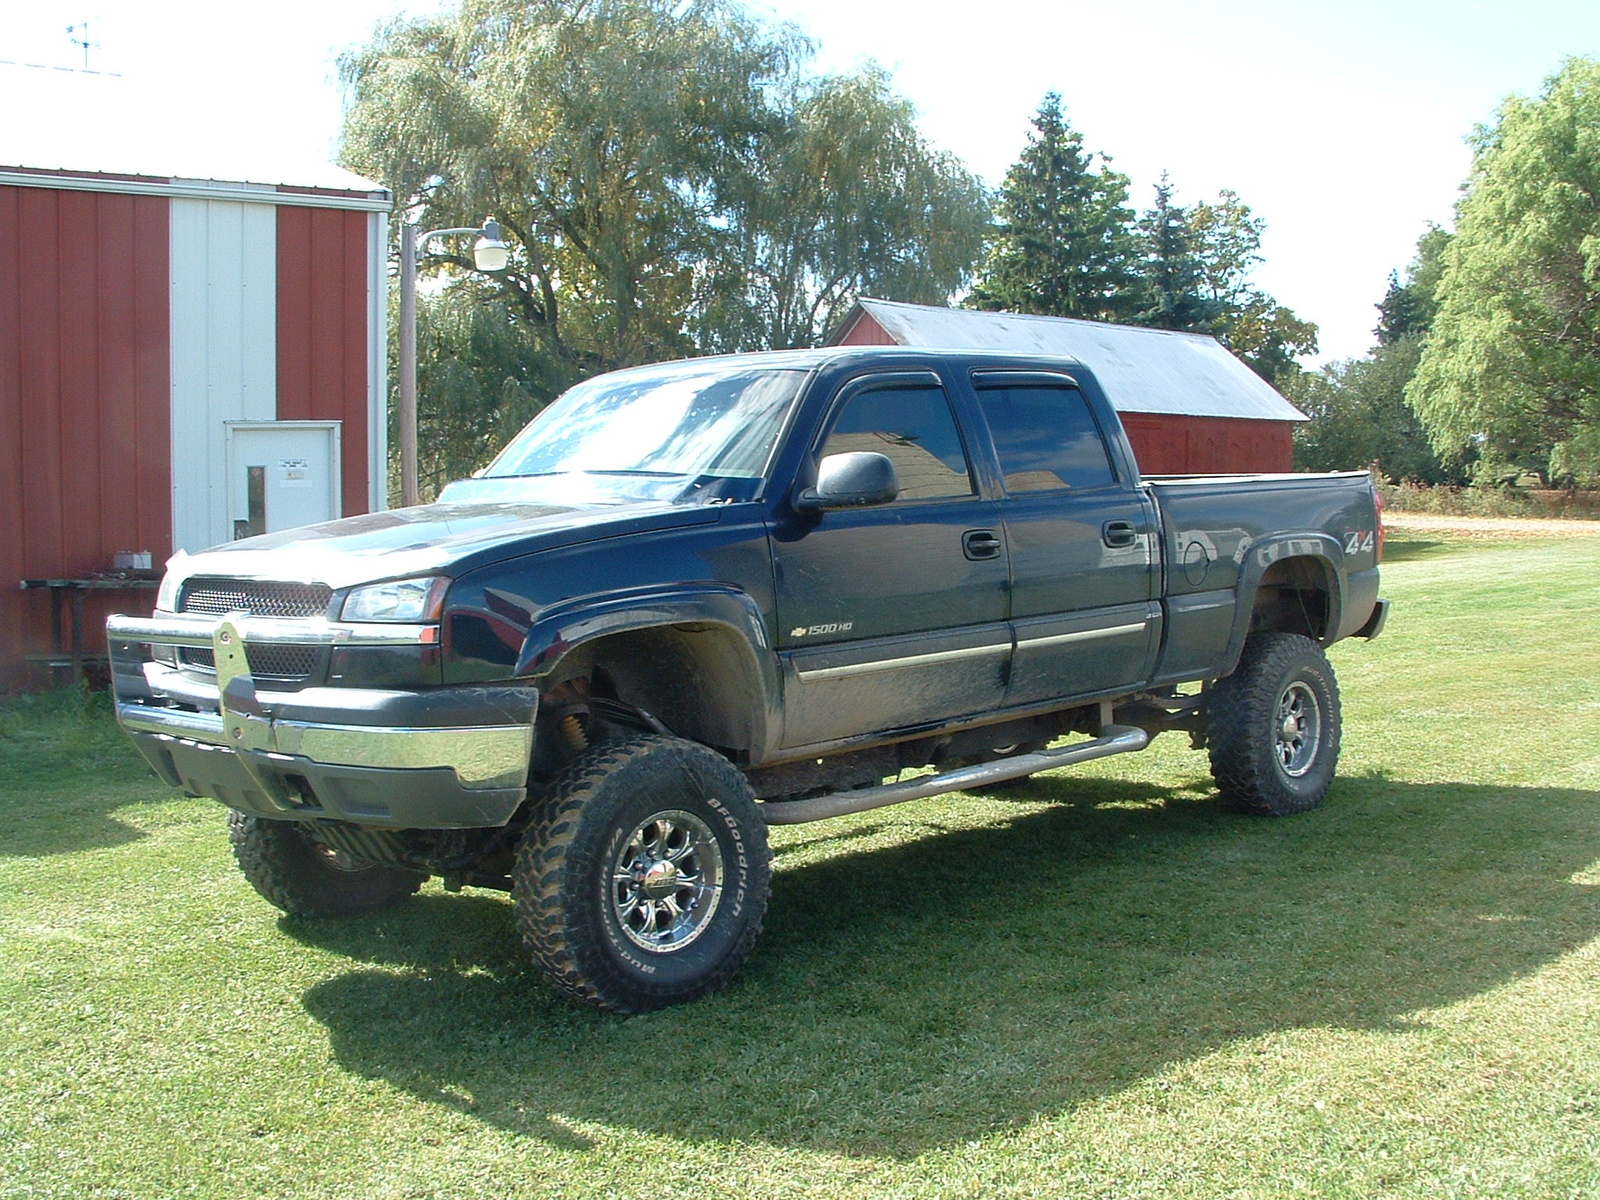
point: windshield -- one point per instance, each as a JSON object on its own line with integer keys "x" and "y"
{"x": 679, "y": 422}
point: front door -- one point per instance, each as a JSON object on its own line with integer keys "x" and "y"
{"x": 893, "y": 616}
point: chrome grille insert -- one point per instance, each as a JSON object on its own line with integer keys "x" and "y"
{"x": 218, "y": 597}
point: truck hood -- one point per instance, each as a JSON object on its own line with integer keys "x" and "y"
{"x": 445, "y": 538}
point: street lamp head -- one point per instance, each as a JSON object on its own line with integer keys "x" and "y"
{"x": 489, "y": 253}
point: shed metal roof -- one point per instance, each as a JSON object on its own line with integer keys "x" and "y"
{"x": 1143, "y": 370}
{"x": 91, "y": 126}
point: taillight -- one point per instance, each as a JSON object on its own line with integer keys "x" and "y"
{"x": 1377, "y": 503}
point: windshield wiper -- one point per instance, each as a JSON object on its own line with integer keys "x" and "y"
{"x": 645, "y": 474}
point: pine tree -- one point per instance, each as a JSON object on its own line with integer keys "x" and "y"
{"x": 1063, "y": 244}
{"x": 1171, "y": 271}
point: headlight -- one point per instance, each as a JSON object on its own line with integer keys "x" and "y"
{"x": 167, "y": 593}
{"x": 397, "y": 600}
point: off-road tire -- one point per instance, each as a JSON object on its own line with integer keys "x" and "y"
{"x": 605, "y": 833}
{"x": 305, "y": 878}
{"x": 1274, "y": 727}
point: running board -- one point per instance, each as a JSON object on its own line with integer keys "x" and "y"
{"x": 1116, "y": 739}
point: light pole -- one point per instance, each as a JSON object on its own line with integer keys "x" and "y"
{"x": 489, "y": 253}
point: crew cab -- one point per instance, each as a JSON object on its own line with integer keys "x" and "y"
{"x": 694, "y": 600}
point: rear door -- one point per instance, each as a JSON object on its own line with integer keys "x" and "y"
{"x": 1081, "y": 540}
{"x": 893, "y": 616}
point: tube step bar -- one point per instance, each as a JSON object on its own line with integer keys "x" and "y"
{"x": 1113, "y": 739}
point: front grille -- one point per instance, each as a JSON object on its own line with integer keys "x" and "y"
{"x": 278, "y": 662}
{"x": 218, "y": 597}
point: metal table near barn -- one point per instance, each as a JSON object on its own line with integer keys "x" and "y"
{"x": 72, "y": 592}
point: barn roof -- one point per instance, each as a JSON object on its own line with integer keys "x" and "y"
{"x": 1143, "y": 370}
{"x": 123, "y": 135}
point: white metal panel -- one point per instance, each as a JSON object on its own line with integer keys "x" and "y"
{"x": 224, "y": 351}
{"x": 1142, "y": 370}
{"x": 377, "y": 362}
{"x": 87, "y": 181}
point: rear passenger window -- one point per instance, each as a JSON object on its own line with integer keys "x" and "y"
{"x": 1046, "y": 437}
{"x": 914, "y": 429}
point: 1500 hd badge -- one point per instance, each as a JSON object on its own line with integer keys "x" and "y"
{"x": 801, "y": 631}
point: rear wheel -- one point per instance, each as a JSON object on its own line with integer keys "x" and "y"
{"x": 643, "y": 879}
{"x": 1275, "y": 726}
{"x": 300, "y": 875}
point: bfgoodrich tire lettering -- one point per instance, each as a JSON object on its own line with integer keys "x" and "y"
{"x": 644, "y": 877}
{"x": 1274, "y": 726}
{"x": 305, "y": 878}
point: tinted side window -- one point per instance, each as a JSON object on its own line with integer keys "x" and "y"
{"x": 1045, "y": 437}
{"x": 914, "y": 429}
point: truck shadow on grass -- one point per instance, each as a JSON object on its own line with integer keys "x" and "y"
{"x": 918, "y": 987}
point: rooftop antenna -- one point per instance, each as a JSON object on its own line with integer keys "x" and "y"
{"x": 78, "y": 35}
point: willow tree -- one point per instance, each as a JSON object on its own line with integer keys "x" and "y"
{"x": 1511, "y": 366}
{"x": 670, "y": 178}
{"x": 849, "y": 199}
{"x": 605, "y": 136}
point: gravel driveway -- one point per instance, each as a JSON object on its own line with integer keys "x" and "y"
{"x": 1532, "y": 527}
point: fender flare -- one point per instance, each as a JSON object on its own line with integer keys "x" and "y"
{"x": 1321, "y": 548}
{"x": 564, "y": 628}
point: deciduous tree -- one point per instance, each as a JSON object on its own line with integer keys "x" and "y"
{"x": 670, "y": 178}
{"x": 1266, "y": 334}
{"x": 848, "y": 200}
{"x": 1512, "y": 364}
{"x": 1359, "y": 414}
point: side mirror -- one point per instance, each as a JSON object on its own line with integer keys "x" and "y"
{"x": 859, "y": 479}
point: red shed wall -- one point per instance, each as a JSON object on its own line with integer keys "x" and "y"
{"x": 85, "y": 450}
{"x": 1164, "y": 444}
{"x": 866, "y": 332}
{"x": 322, "y": 332}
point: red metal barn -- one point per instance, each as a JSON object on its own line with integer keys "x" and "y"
{"x": 183, "y": 359}
{"x": 1189, "y": 406}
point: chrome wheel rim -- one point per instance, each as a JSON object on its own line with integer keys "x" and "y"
{"x": 666, "y": 881}
{"x": 1298, "y": 729}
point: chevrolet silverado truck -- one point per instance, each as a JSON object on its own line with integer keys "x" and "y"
{"x": 693, "y": 600}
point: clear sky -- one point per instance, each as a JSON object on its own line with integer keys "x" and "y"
{"x": 1341, "y": 123}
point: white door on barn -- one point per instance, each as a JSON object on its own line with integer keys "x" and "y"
{"x": 281, "y": 474}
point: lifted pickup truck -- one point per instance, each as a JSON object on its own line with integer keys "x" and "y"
{"x": 693, "y": 600}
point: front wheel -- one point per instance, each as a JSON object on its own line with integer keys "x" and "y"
{"x": 1274, "y": 726}
{"x": 308, "y": 879}
{"x": 644, "y": 877}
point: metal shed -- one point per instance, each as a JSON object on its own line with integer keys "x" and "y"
{"x": 1188, "y": 405}
{"x": 191, "y": 348}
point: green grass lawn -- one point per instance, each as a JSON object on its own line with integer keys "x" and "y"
{"x": 1099, "y": 984}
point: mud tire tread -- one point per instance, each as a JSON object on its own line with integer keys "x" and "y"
{"x": 552, "y": 882}
{"x": 292, "y": 872}
{"x": 1241, "y": 710}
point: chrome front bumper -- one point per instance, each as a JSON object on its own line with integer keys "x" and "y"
{"x": 441, "y": 758}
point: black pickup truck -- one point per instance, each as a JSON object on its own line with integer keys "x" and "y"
{"x": 693, "y": 600}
